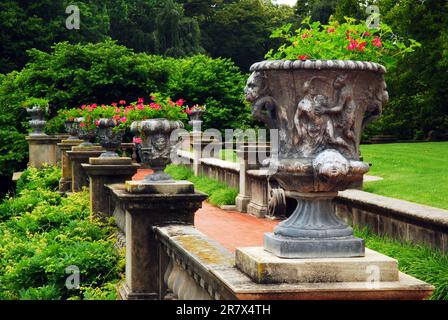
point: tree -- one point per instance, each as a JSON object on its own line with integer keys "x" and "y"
{"x": 319, "y": 10}
{"x": 349, "y": 8}
{"x": 241, "y": 30}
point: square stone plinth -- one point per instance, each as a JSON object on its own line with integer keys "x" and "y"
{"x": 154, "y": 187}
{"x": 264, "y": 267}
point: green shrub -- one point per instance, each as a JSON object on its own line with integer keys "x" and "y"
{"x": 219, "y": 193}
{"x": 419, "y": 261}
{"x": 33, "y": 179}
{"x": 42, "y": 234}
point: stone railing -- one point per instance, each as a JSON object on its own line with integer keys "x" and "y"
{"x": 194, "y": 266}
{"x": 399, "y": 219}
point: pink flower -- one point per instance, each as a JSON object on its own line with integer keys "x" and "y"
{"x": 137, "y": 140}
{"x": 154, "y": 105}
{"x": 83, "y": 106}
{"x": 114, "y": 104}
{"x": 97, "y": 123}
{"x": 122, "y": 102}
{"x": 82, "y": 125}
{"x": 140, "y": 100}
{"x": 118, "y": 110}
{"x": 123, "y": 119}
{"x": 153, "y": 98}
{"x": 94, "y": 106}
{"x": 140, "y": 106}
{"x": 377, "y": 42}
{"x": 330, "y": 30}
{"x": 180, "y": 102}
{"x": 353, "y": 45}
{"x": 305, "y": 35}
{"x": 366, "y": 34}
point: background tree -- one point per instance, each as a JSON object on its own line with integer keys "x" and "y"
{"x": 349, "y": 8}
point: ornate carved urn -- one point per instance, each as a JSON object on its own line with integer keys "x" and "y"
{"x": 71, "y": 129}
{"x": 109, "y": 138}
{"x": 196, "y": 114}
{"x": 156, "y": 147}
{"x": 37, "y": 121}
{"x": 320, "y": 108}
{"x": 85, "y": 134}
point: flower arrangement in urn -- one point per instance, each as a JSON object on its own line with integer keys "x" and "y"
{"x": 320, "y": 108}
{"x": 36, "y": 108}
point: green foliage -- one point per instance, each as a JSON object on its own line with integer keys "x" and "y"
{"x": 419, "y": 261}
{"x": 240, "y": 30}
{"x": 46, "y": 178}
{"x": 350, "y": 40}
{"x": 318, "y": 10}
{"x": 72, "y": 75}
{"x": 219, "y": 193}
{"x": 43, "y": 234}
{"x": 349, "y": 8}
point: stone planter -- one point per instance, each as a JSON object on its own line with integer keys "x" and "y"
{"x": 109, "y": 139}
{"x": 196, "y": 115}
{"x": 37, "y": 121}
{"x": 320, "y": 108}
{"x": 72, "y": 129}
{"x": 85, "y": 134}
{"x": 156, "y": 147}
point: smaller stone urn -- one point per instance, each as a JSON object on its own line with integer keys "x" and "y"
{"x": 85, "y": 134}
{"x": 156, "y": 147}
{"x": 71, "y": 129}
{"x": 37, "y": 121}
{"x": 109, "y": 138}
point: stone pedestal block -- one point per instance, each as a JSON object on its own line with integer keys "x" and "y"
{"x": 43, "y": 150}
{"x": 65, "y": 183}
{"x": 143, "y": 212}
{"x": 259, "y": 188}
{"x": 103, "y": 171}
{"x": 79, "y": 155}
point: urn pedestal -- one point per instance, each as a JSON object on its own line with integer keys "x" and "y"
{"x": 65, "y": 183}
{"x": 79, "y": 155}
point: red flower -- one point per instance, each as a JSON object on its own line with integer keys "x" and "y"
{"x": 137, "y": 140}
{"x": 330, "y": 30}
{"x": 377, "y": 42}
{"x": 302, "y": 57}
{"x": 83, "y": 106}
{"x": 114, "y": 104}
{"x": 123, "y": 102}
{"x": 82, "y": 125}
{"x": 180, "y": 102}
{"x": 97, "y": 123}
{"x": 366, "y": 34}
{"x": 353, "y": 44}
{"x": 154, "y": 105}
{"x": 305, "y": 35}
{"x": 140, "y": 106}
{"x": 123, "y": 119}
{"x": 361, "y": 46}
{"x": 118, "y": 110}
{"x": 140, "y": 100}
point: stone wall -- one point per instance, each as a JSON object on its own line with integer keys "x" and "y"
{"x": 399, "y": 219}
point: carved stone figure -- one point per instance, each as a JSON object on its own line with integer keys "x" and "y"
{"x": 156, "y": 147}
{"x": 320, "y": 108}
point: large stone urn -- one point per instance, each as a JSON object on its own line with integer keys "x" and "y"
{"x": 109, "y": 138}
{"x": 37, "y": 122}
{"x": 319, "y": 108}
{"x": 157, "y": 146}
{"x": 87, "y": 135}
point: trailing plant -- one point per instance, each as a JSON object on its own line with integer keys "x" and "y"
{"x": 351, "y": 40}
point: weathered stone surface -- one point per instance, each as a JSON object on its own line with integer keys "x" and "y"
{"x": 110, "y": 161}
{"x": 43, "y": 150}
{"x": 143, "y": 212}
{"x": 264, "y": 267}
{"x": 104, "y": 174}
{"x": 175, "y": 187}
{"x": 79, "y": 155}
{"x": 65, "y": 183}
{"x": 216, "y": 271}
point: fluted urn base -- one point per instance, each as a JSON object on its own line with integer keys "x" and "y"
{"x": 314, "y": 231}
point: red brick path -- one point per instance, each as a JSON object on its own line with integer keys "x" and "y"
{"x": 229, "y": 228}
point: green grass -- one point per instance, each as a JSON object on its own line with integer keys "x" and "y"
{"x": 219, "y": 193}
{"x": 416, "y": 172}
{"x": 419, "y": 261}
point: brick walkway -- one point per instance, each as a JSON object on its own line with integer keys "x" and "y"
{"x": 231, "y": 229}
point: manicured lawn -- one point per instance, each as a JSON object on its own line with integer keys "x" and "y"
{"x": 416, "y": 172}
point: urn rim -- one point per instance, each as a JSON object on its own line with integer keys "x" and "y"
{"x": 318, "y": 65}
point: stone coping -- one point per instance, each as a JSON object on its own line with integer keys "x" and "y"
{"x": 185, "y": 154}
{"x": 228, "y": 165}
{"x": 216, "y": 266}
{"x": 318, "y": 64}
{"x": 391, "y": 206}
{"x": 261, "y": 173}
